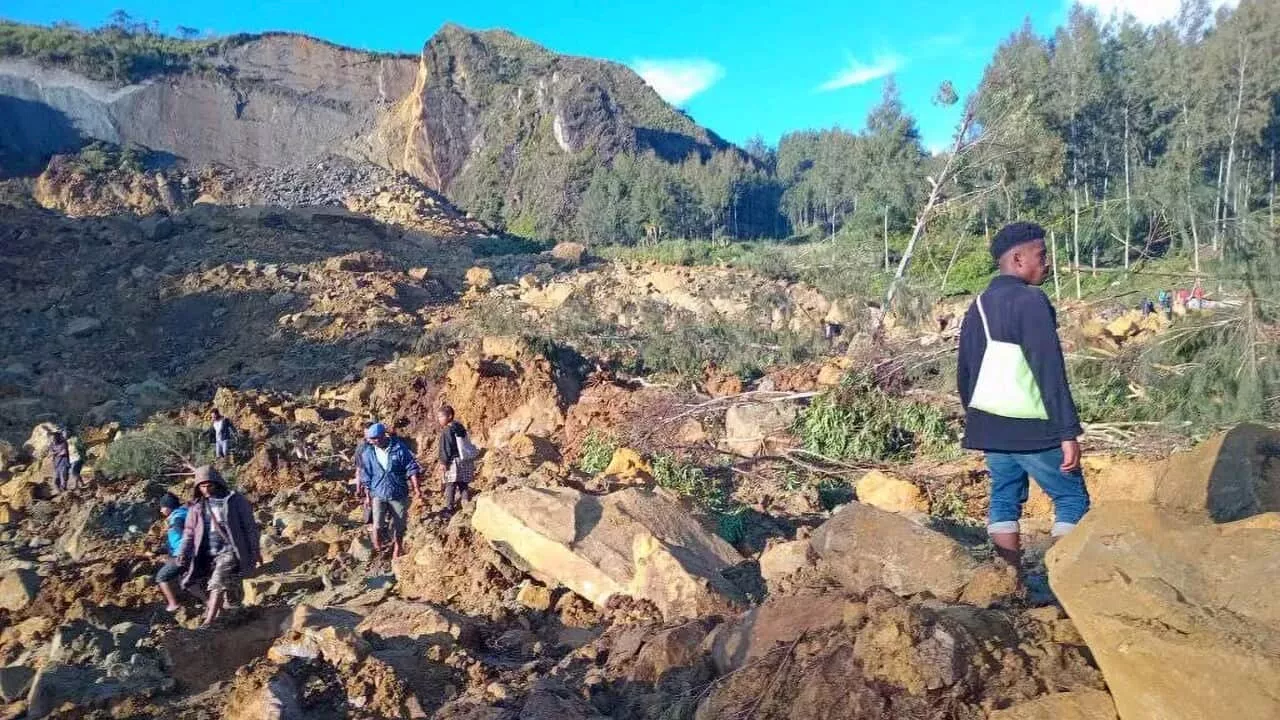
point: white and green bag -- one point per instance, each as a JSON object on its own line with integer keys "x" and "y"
{"x": 1006, "y": 386}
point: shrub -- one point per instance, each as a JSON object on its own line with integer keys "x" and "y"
{"x": 156, "y": 452}
{"x": 706, "y": 492}
{"x": 859, "y": 421}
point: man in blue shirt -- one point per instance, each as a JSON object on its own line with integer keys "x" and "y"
{"x": 388, "y": 471}
{"x": 1046, "y": 448}
{"x": 175, "y": 515}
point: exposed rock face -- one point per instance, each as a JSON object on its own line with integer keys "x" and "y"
{"x": 480, "y": 116}
{"x": 1179, "y": 612}
{"x": 334, "y": 98}
{"x": 491, "y": 108}
{"x": 632, "y": 542}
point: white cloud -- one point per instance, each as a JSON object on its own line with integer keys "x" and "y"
{"x": 858, "y": 73}
{"x": 1147, "y": 12}
{"x": 677, "y": 80}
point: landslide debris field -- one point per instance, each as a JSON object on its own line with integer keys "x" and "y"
{"x": 719, "y": 479}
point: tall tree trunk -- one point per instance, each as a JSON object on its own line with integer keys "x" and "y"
{"x": 1053, "y": 258}
{"x": 1128, "y": 197}
{"x": 1075, "y": 238}
{"x": 886, "y": 238}
{"x": 1271, "y": 196}
{"x": 1217, "y": 206}
{"x": 1235, "y": 120}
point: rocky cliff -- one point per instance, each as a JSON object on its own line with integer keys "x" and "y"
{"x": 498, "y": 123}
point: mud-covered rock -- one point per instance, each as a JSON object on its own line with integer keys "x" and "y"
{"x": 1178, "y": 611}
{"x": 633, "y": 542}
{"x": 863, "y": 547}
{"x": 1075, "y": 705}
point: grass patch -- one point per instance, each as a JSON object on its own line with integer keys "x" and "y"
{"x": 596, "y": 453}
{"x": 705, "y": 492}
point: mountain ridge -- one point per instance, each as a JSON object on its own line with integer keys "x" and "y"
{"x": 504, "y": 126}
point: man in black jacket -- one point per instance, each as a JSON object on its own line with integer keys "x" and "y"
{"x": 1046, "y": 447}
{"x": 458, "y": 471}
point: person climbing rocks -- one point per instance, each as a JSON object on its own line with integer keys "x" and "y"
{"x": 457, "y": 459}
{"x": 175, "y": 517}
{"x": 220, "y": 538}
{"x": 1013, "y": 383}
{"x": 75, "y": 459}
{"x": 60, "y": 452}
{"x": 223, "y": 432}
{"x": 388, "y": 471}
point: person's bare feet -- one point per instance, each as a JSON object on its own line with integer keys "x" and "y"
{"x": 172, "y": 608}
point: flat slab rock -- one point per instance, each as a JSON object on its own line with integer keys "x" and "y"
{"x": 633, "y": 542}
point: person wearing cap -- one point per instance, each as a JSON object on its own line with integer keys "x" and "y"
{"x": 1013, "y": 383}
{"x": 220, "y": 538}
{"x": 388, "y": 470}
{"x": 175, "y": 515}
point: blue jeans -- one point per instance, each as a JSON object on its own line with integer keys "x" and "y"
{"x": 221, "y": 448}
{"x": 1009, "y": 488}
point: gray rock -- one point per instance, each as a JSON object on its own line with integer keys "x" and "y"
{"x": 80, "y": 326}
{"x": 14, "y": 682}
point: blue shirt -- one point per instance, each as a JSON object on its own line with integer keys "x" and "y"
{"x": 177, "y": 519}
{"x": 393, "y": 482}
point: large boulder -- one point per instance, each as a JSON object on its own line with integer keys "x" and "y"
{"x": 634, "y": 543}
{"x": 754, "y": 428}
{"x": 503, "y": 389}
{"x": 862, "y": 547}
{"x": 1230, "y": 476}
{"x": 1180, "y": 613}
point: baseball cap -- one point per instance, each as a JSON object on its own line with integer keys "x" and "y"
{"x": 375, "y": 430}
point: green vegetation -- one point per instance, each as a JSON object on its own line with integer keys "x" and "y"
{"x": 859, "y": 421}
{"x": 99, "y": 158}
{"x": 596, "y": 453}
{"x": 156, "y": 452}
{"x": 122, "y": 51}
{"x": 707, "y": 493}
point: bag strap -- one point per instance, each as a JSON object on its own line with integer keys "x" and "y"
{"x": 986, "y": 329}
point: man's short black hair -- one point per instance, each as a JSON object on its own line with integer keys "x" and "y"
{"x": 447, "y": 411}
{"x": 1013, "y": 235}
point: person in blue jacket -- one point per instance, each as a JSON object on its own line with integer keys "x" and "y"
{"x": 1047, "y": 449}
{"x": 175, "y": 515}
{"x": 389, "y": 471}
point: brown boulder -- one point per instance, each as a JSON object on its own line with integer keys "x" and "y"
{"x": 862, "y": 547}
{"x": 1179, "y": 613}
{"x": 755, "y": 428}
{"x": 629, "y": 543}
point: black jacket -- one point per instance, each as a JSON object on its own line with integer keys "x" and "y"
{"x": 449, "y": 442}
{"x": 1017, "y": 313}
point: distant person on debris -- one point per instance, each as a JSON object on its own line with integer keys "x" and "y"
{"x": 223, "y": 432}
{"x": 75, "y": 458}
{"x": 1166, "y": 303}
{"x": 388, "y": 472}
{"x": 220, "y": 539}
{"x": 60, "y": 452}
{"x": 175, "y": 515}
{"x": 457, "y": 458}
{"x": 1013, "y": 382}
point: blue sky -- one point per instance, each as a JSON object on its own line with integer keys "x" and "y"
{"x": 739, "y": 68}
